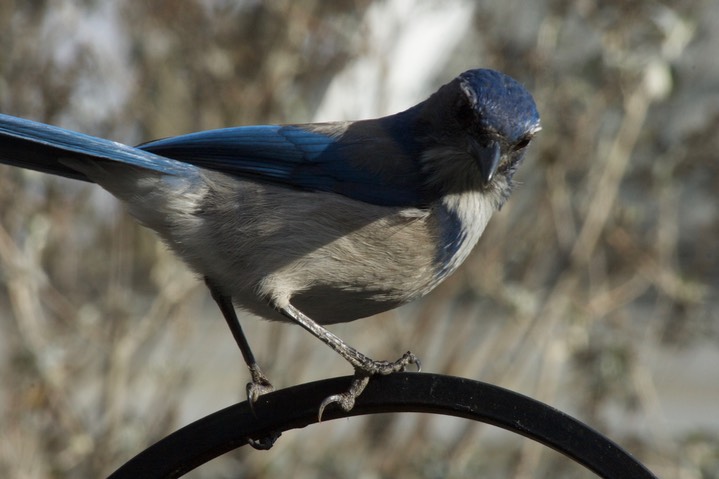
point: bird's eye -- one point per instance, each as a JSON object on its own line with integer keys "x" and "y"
{"x": 522, "y": 143}
{"x": 465, "y": 115}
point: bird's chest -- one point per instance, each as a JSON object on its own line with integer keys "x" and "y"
{"x": 459, "y": 221}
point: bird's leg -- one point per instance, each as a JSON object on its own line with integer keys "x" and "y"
{"x": 364, "y": 366}
{"x": 361, "y": 363}
{"x": 259, "y": 384}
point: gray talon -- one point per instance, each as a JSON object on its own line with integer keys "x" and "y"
{"x": 258, "y": 386}
{"x": 346, "y": 400}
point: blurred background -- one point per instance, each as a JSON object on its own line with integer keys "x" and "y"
{"x": 595, "y": 289}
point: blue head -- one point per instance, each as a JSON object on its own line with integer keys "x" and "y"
{"x": 500, "y": 104}
{"x": 477, "y": 128}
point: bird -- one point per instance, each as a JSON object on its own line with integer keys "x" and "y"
{"x": 317, "y": 223}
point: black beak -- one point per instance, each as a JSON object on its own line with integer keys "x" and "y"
{"x": 488, "y": 156}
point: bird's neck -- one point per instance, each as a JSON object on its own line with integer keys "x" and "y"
{"x": 461, "y": 219}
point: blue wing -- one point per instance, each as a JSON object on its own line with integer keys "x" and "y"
{"x": 357, "y": 165}
{"x": 372, "y": 161}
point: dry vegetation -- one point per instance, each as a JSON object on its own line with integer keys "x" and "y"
{"x": 605, "y": 256}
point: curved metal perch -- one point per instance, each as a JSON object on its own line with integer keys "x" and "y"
{"x": 296, "y": 407}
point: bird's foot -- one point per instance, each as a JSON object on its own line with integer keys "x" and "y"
{"x": 346, "y": 400}
{"x": 368, "y": 368}
{"x": 258, "y": 386}
{"x": 371, "y": 367}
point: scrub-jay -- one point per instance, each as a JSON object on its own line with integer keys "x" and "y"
{"x": 317, "y": 223}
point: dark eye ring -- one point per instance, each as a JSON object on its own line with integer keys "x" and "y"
{"x": 522, "y": 144}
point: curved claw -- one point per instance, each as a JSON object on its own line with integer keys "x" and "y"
{"x": 346, "y": 400}
{"x": 260, "y": 385}
{"x": 417, "y": 363}
{"x": 264, "y": 443}
{"x": 409, "y": 358}
{"x": 255, "y": 390}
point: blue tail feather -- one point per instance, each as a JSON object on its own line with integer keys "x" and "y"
{"x": 37, "y": 146}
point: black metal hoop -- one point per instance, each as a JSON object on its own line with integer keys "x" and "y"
{"x": 297, "y": 407}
